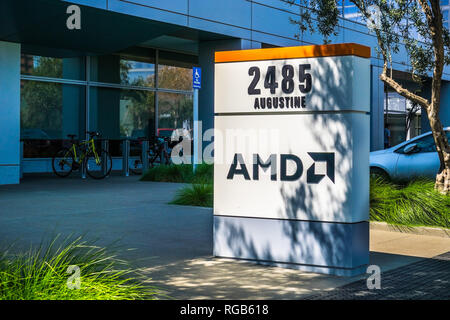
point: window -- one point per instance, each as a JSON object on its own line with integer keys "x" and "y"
{"x": 425, "y": 144}
{"x": 175, "y": 71}
{"x": 175, "y": 111}
{"x": 121, "y": 113}
{"x": 171, "y": 77}
{"x": 67, "y": 68}
{"x": 51, "y": 110}
{"x": 395, "y": 119}
{"x": 48, "y": 113}
{"x": 121, "y": 103}
{"x": 124, "y": 70}
{"x": 351, "y": 12}
{"x": 135, "y": 73}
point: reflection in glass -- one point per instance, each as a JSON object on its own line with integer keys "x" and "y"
{"x": 171, "y": 77}
{"x": 51, "y": 110}
{"x": 136, "y": 73}
{"x": 121, "y": 70}
{"x": 351, "y": 12}
{"x": 175, "y": 111}
{"x": 67, "y": 68}
{"x": 118, "y": 113}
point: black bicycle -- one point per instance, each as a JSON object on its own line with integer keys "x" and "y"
{"x": 158, "y": 153}
{"x": 98, "y": 162}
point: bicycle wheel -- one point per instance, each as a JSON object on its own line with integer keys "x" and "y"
{"x": 98, "y": 168}
{"x": 63, "y": 162}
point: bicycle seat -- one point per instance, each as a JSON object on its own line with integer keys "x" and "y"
{"x": 72, "y": 136}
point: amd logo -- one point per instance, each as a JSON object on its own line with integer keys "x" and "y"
{"x": 311, "y": 176}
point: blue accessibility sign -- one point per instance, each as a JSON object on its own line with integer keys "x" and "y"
{"x": 197, "y": 78}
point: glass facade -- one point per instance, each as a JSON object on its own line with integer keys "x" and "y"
{"x": 51, "y": 110}
{"x": 123, "y": 70}
{"x": 121, "y": 113}
{"x": 69, "y": 68}
{"x": 114, "y": 94}
{"x": 175, "y": 111}
{"x": 401, "y": 119}
{"x": 349, "y": 11}
{"x": 172, "y": 77}
{"x": 445, "y": 9}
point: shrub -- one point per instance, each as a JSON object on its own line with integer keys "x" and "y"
{"x": 411, "y": 204}
{"x": 41, "y": 274}
{"x": 180, "y": 173}
{"x": 195, "y": 195}
{"x": 204, "y": 174}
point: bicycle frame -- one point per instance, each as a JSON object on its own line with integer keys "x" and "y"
{"x": 90, "y": 147}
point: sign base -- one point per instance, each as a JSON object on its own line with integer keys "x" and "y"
{"x": 340, "y": 249}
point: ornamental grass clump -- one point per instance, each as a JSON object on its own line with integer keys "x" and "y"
{"x": 415, "y": 203}
{"x": 50, "y": 272}
{"x": 195, "y": 195}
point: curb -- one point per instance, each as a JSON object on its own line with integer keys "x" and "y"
{"x": 424, "y": 231}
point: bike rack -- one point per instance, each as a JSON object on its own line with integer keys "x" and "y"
{"x": 105, "y": 147}
{"x": 83, "y": 170}
{"x": 145, "y": 148}
{"x": 126, "y": 157}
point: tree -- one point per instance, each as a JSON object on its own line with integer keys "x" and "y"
{"x": 415, "y": 24}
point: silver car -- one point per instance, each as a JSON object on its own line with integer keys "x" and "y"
{"x": 410, "y": 159}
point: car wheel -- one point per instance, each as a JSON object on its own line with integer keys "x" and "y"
{"x": 378, "y": 172}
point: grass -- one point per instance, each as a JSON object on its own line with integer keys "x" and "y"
{"x": 408, "y": 204}
{"x": 415, "y": 203}
{"x": 182, "y": 173}
{"x": 199, "y": 193}
{"x": 195, "y": 195}
{"x": 41, "y": 273}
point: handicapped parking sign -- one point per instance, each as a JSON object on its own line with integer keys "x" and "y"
{"x": 197, "y": 78}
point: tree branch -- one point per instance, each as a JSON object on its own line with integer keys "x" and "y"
{"x": 384, "y": 75}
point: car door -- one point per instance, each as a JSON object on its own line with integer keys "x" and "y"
{"x": 423, "y": 161}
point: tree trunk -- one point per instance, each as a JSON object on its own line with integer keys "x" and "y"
{"x": 443, "y": 177}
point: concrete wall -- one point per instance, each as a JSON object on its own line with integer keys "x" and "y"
{"x": 10, "y": 113}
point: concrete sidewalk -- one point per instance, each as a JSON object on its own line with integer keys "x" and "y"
{"x": 212, "y": 278}
{"x": 173, "y": 244}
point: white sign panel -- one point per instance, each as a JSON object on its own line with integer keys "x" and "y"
{"x": 308, "y": 84}
{"x": 315, "y": 162}
{"x": 292, "y": 156}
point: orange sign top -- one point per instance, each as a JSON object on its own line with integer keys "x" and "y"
{"x": 329, "y": 50}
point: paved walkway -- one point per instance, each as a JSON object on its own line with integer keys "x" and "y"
{"x": 212, "y": 278}
{"x": 427, "y": 279}
{"x": 173, "y": 244}
{"x": 117, "y": 208}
